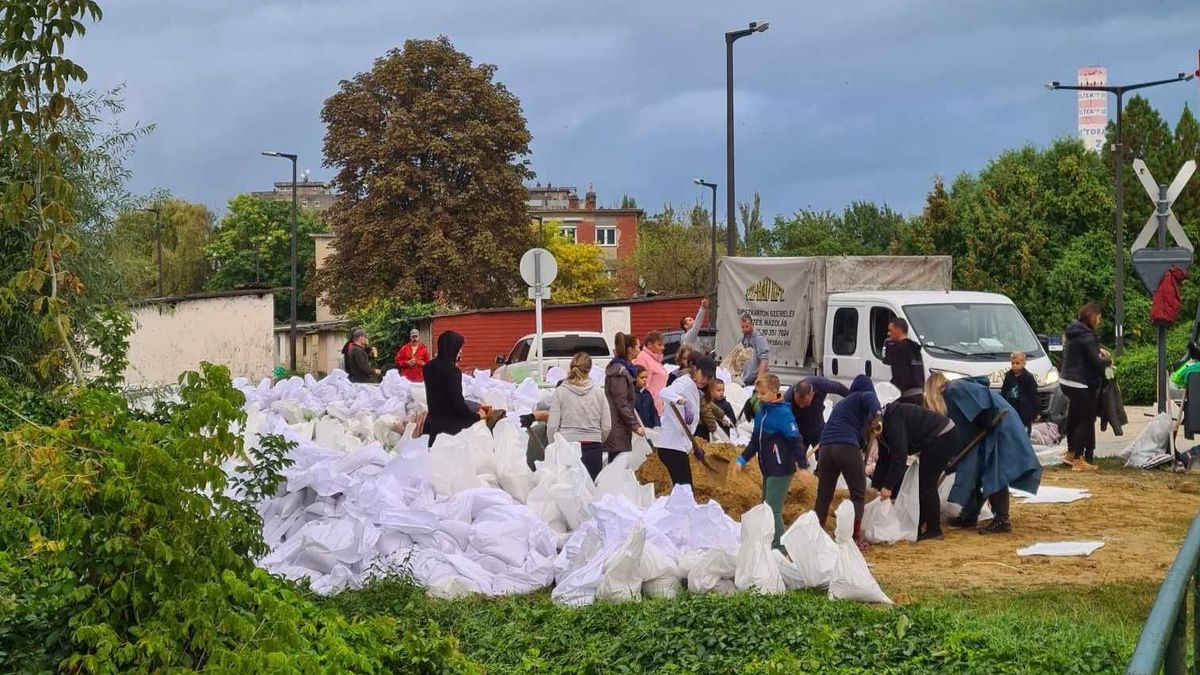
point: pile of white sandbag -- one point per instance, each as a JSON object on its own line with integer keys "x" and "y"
{"x": 467, "y": 516}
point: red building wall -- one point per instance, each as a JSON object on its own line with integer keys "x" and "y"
{"x": 494, "y": 332}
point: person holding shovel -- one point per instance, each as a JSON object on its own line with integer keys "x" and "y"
{"x": 681, "y": 417}
{"x": 843, "y": 441}
{"x": 912, "y": 430}
{"x": 777, "y": 442}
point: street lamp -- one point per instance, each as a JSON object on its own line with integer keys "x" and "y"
{"x": 295, "y": 285}
{"x": 157, "y": 243}
{"x": 730, "y": 200}
{"x": 713, "y": 187}
{"x": 1118, "y": 165}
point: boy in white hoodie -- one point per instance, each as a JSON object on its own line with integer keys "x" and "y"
{"x": 579, "y": 411}
{"x": 675, "y": 441}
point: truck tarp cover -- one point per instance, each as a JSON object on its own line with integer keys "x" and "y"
{"x": 788, "y": 296}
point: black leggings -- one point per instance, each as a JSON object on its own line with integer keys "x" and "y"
{"x": 933, "y": 461}
{"x": 1081, "y": 420}
{"x": 679, "y": 465}
{"x": 593, "y": 457}
{"x": 834, "y": 461}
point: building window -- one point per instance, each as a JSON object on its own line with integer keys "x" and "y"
{"x": 606, "y": 236}
{"x": 568, "y": 232}
{"x": 304, "y": 203}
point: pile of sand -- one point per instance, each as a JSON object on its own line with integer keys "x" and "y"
{"x": 742, "y": 490}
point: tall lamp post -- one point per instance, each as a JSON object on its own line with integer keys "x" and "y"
{"x": 1118, "y": 166}
{"x": 730, "y": 199}
{"x": 295, "y": 288}
{"x": 713, "y": 187}
{"x": 157, "y": 243}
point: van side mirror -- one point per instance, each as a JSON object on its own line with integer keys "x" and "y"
{"x": 501, "y": 361}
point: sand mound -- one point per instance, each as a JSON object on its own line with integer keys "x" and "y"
{"x": 742, "y": 490}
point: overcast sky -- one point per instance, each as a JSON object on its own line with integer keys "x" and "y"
{"x": 838, "y": 101}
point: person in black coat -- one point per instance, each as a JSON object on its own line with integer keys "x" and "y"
{"x": 911, "y": 430}
{"x": 357, "y": 361}
{"x": 903, "y": 356}
{"x": 1020, "y": 390}
{"x": 1082, "y": 374}
{"x": 448, "y": 410}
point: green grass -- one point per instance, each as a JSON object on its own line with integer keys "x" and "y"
{"x": 1059, "y": 631}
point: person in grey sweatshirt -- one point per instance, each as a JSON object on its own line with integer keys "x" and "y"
{"x": 579, "y": 411}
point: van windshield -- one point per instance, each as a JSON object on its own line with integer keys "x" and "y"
{"x": 567, "y": 346}
{"x": 975, "y": 331}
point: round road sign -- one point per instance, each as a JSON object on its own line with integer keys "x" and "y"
{"x": 538, "y": 260}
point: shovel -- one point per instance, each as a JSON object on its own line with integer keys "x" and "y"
{"x": 970, "y": 446}
{"x": 718, "y": 476}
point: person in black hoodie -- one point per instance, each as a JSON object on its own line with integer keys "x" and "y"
{"x": 1020, "y": 390}
{"x": 909, "y": 430}
{"x": 1082, "y": 374}
{"x": 903, "y": 356}
{"x": 448, "y": 411}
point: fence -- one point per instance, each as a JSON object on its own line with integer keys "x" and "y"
{"x": 1163, "y": 642}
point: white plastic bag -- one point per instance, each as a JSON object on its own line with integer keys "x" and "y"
{"x": 952, "y": 510}
{"x": 452, "y": 465}
{"x": 622, "y": 577}
{"x": 709, "y": 569}
{"x": 1151, "y": 443}
{"x": 887, "y": 522}
{"x": 756, "y": 567}
{"x": 852, "y": 579}
{"x": 813, "y": 553}
{"x": 511, "y": 469}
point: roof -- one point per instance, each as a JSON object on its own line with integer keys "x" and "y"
{"x": 582, "y": 211}
{"x": 618, "y": 302}
{"x": 565, "y": 333}
{"x": 314, "y": 326}
{"x": 924, "y": 297}
{"x": 171, "y": 299}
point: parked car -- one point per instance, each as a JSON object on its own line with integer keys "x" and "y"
{"x": 672, "y": 341}
{"x": 558, "y": 349}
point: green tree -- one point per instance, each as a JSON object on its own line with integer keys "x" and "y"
{"x": 628, "y": 202}
{"x": 1147, "y": 136}
{"x": 187, "y": 230}
{"x": 583, "y": 274}
{"x": 809, "y": 233}
{"x": 934, "y": 231}
{"x": 430, "y": 155}
{"x": 756, "y": 237}
{"x": 673, "y": 256}
{"x": 253, "y": 245}
{"x": 62, "y": 172}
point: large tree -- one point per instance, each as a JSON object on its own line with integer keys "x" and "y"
{"x": 673, "y": 256}
{"x": 582, "y": 272}
{"x": 254, "y": 245}
{"x": 430, "y": 154}
{"x": 187, "y": 229}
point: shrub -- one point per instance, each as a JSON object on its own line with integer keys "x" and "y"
{"x": 124, "y": 547}
{"x": 1137, "y": 368}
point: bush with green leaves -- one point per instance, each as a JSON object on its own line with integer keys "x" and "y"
{"x": 1137, "y": 368}
{"x": 124, "y": 547}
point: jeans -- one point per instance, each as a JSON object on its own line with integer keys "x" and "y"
{"x": 933, "y": 462}
{"x": 774, "y": 492}
{"x": 593, "y": 457}
{"x": 840, "y": 460}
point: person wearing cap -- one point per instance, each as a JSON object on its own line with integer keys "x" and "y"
{"x": 357, "y": 361}
{"x": 412, "y": 357}
{"x": 675, "y": 441}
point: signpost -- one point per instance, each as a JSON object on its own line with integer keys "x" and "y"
{"x": 538, "y": 269}
{"x": 1152, "y": 264}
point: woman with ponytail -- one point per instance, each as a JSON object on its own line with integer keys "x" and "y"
{"x": 619, "y": 389}
{"x": 579, "y": 411}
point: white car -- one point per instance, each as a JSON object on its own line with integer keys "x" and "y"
{"x": 558, "y": 348}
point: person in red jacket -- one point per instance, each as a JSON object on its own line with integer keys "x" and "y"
{"x": 412, "y": 357}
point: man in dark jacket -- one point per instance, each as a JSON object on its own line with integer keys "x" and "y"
{"x": 909, "y": 430}
{"x": 357, "y": 361}
{"x": 808, "y": 405}
{"x": 448, "y": 410}
{"x": 904, "y": 357}
{"x": 841, "y": 452}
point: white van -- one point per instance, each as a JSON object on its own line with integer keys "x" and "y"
{"x": 961, "y": 333}
{"x": 558, "y": 347}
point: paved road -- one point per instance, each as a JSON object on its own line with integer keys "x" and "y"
{"x": 1108, "y": 445}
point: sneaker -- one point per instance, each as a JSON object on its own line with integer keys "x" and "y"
{"x": 928, "y": 535}
{"x": 959, "y": 521}
{"x": 997, "y": 526}
{"x": 1083, "y": 465}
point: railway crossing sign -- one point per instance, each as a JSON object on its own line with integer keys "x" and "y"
{"x": 1151, "y": 263}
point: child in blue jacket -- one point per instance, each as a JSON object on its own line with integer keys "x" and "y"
{"x": 777, "y": 442}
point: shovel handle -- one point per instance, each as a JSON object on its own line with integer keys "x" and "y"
{"x": 696, "y": 449}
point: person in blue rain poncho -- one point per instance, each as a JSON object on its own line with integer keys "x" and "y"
{"x": 1002, "y": 459}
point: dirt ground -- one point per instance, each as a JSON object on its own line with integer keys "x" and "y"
{"x": 1141, "y": 516}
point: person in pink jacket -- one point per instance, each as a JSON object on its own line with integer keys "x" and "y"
{"x": 651, "y": 359}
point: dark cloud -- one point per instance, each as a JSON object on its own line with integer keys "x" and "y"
{"x": 836, "y": 102}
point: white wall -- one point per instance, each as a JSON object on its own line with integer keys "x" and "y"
{"x": 172, "y": 336}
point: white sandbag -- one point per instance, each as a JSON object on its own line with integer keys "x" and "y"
{"x": 813, "y": 553}
{"x": 452, "y": 465}
{"x": 886, "y": 392}
{"x": 792, "y": 580}
{"x": 852, "y": 579}
{"x": 756, "y": 568}
{"x": 641, "y": 450}
{"x": 708, "y": 570}
{"x": 662, "y": 587}
{"x": 952, "y": 510}
{"x": 886, "y": 521}
{"x": 621, "y": 578}
{"x": 512, "y": 470}
{"x": 618, "y": 480}
{"x": 1152, "y": 443}
{"x": 479, "y": 441}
